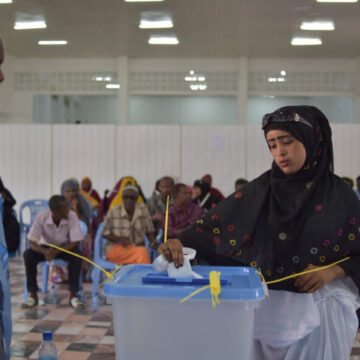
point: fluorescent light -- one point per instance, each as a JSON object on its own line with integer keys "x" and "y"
{"x": 274, "y": 79}
{"x": 196, "y": 87}
{"x": 52, "y": 42}
{"x": 190, "y": 78}
{"x": 283, "y": 73}
{"x": 144, "y": 0}
{"x": 191, "y": 72}
{"x": 317, "y": 25}
{"x": 5, "y": 1}
{"x": 301, "y": 41}
{"x": 113, "y": 86}
{"x": 161, "y": 24}
{"x": 26, "y": 25}
{"x": 337, "y": 1}
{"x": 201, "y": 78}
{"x": 163, "y": 40}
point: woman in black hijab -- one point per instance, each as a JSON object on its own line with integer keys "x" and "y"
{"x": 11, "y": 225}
{"x": 296, "y": 216}
{"x": 202, "y": 196}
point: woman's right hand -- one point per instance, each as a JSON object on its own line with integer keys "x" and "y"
{"x": 173, "y": 251}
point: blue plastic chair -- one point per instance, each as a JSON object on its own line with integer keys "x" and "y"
{"x": 34, "y": 207}
{"x": 100, "y": 259}
{"x": 1, "y": 208}
{"x": 56, "y": 262}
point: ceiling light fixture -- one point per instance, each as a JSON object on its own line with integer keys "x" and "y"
{"x": 5, "y": 1}
{"x": 27, "y": 25}
{"x": 274, "y": 79}
{"x": 144, "y": 0}
{"x": 304, "y": 41}
{"x": 52, "y": 42}
{"x": 161, "y": 24}
{"x": 283, "y": 73}
{"x": 113, "y": 86}
{"x": 163, "y": 40}
{"x": 317, "y": 25}
{"x": 196, "y": 87}
{"x": 337, "y": 1}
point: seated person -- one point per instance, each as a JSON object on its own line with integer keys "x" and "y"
{"x": 77, "y": 203}
{"x": 239, "y": 183}
{"x": 157, "y": 202}
{"x": 125, "y": 226}
{"x": 61, "y": 227}
{"x": 183, "y": 213}
{"x": 86, "y": 187}
{"x": 208, "y": 179}
{"x": 357, "y": 190}
{"x": 202, "y": 196}
{"x": 11, "y": 225}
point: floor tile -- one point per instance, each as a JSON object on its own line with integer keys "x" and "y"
{"x": 74, "y": 355}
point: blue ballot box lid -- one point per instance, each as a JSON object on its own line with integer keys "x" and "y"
{"x": 141, "y": 281}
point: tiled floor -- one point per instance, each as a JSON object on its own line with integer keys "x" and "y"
{"x": 78, "y": 335}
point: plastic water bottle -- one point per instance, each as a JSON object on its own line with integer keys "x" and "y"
{"x": 52, "y": 299}
{"x": 47, "y": 349}
{"x": 95, "y": 303}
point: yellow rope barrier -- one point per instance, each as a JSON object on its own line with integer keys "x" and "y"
{"x": 307, "y": 271}
{"x": 108, "y": 275}
{"x": 166, "y": 219}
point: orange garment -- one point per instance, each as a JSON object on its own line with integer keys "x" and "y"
{"x": 130, "y": 254}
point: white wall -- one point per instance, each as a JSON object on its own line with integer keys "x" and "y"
{"x": 336, "y": 108}
{"x": 182, "y": 110}
{"x": 35, "y": 159}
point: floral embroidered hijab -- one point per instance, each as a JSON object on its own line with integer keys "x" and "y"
{"x": 282, "y": 223}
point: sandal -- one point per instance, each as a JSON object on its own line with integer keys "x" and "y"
{"x": 29, "y": 303}
{"x": 76, "y": 303}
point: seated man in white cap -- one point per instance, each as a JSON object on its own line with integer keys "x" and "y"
{"x": 124, "y": 228}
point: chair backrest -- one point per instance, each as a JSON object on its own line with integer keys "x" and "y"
{"x": 29, "y": 209}
{"x": 98, "y": 244}
{"x": 1, "y": 207}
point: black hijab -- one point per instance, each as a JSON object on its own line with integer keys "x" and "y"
{"x": 282, "y": 223}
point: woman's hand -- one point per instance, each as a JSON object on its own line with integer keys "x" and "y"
{"x": 315, "y": 280}
{"x": 173, "y": 251}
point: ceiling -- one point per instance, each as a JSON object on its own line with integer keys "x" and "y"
{"x": 205, "y": 28}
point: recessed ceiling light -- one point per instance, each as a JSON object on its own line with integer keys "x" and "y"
{"x": 27, "y": 25}
{"x": 317, "y": 25}
{"x": 163, "y": 40}
{"x": 283, "y": 73}
{"x": 113, "y": 86}
{"x": 52, "y": 42}
{"x": 196, "y": 87}
{"x": 144, "y": 0}
{"x": 5, "y": 1}
{"x": 273, "y": 79}
{"x": 161, "y": 24}
{"x": 303, "y": 41}
{"x": 337, "y": 1}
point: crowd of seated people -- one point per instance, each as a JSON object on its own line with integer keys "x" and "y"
{"x": 128, "y": 216}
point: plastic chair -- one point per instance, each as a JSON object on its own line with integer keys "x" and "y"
{"x": 99, "y": 259}
{"x": 56, "y": 262}
{"x": 1, "y": 208}
{"x": 33, "y": 207}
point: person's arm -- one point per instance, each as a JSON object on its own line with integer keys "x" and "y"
{"x": 315, "y": 280}
{"x": 123, "y": 240}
